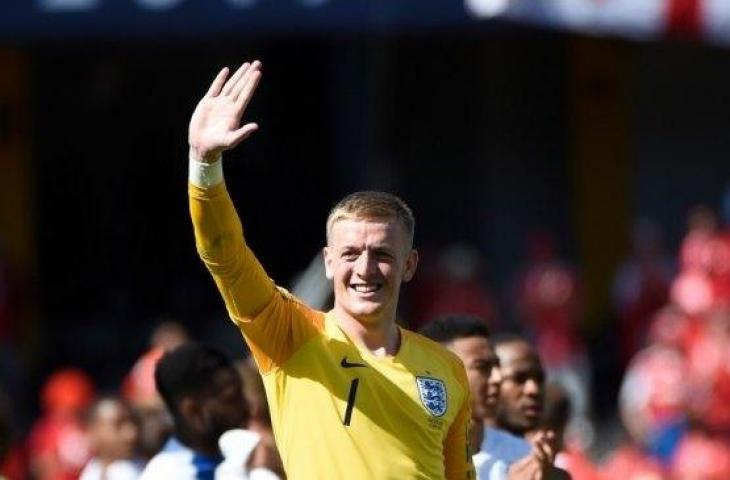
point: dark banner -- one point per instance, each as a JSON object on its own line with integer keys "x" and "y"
{"x": 47, "y": 19}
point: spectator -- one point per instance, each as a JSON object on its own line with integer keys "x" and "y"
{"x": 652, "y": 402}
{"x": 58, "y": 443}
{"x": 138, "y": 388}
{"x": 204, "y": 394}
{"x": 113, "y": 437}
{"x": 640, "y": 287}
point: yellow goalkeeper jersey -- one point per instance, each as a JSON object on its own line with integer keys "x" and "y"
{"x": 338, "y": 412}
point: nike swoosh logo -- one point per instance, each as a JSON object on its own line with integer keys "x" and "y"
{"x": 345, "y": 364}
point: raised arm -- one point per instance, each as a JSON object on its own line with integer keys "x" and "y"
{"x": 214, "y": 128}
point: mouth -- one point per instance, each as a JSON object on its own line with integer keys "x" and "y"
{"x": 532, "y": 411}
{"x": 492, "y": 395}
{"x": 366, "y": 288}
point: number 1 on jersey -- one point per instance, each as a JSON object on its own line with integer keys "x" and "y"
{"x": 351, "y": 401}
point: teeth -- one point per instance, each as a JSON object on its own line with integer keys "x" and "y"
{"x": 365, "y": 288}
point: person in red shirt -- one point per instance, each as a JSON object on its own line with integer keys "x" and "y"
{"x": 701, "y": 457}
{"x": 58, "y": 444}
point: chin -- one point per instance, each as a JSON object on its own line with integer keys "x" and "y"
{"x": 370, "y": 314}
{"x": 364, "y": 307}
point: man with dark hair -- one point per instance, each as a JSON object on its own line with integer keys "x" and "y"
{"x": 386, "y": 402}
{"x": 500, "y": 455}
{"x": 204, "y": 394}
{"x": 468, "y": 338}
{"x": 523, "y": 386}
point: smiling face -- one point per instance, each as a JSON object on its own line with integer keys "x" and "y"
{"x": 367, "y": 260}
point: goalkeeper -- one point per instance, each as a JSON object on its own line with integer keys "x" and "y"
{"x": 352, "y": 395}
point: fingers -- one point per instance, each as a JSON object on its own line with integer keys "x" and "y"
{"x": 539, "y": 456}
{"x": 548, "y": 452}
{"x": 247, "y": 84}
{"x": 231, "y": 83}
{"x": 249, "y": 87}
{"x": 544, "y": 444}
{"x": 544, "y": 452}
{"x": 215, "y": 87}
{"x": 240, "y": 86}
{"x": 527, "y": 468}
{"x": 236, "y": 137}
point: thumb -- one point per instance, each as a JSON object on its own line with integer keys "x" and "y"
{"x": 237, "y": 136}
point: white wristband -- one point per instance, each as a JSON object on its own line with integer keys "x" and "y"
{"x": 205, "y": 175}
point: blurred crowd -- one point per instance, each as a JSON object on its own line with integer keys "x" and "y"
{"x": 89, "y": 435}
{"x": 671, "y": 325}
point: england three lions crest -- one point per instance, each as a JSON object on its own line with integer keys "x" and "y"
{"x": 432, "y": 392}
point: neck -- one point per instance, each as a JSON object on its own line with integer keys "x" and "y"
{"x": 209, "y": 449}
{"x": 516, "y": 431}
{"x": 381, "y": 337}
{"x": 104, "y": 460}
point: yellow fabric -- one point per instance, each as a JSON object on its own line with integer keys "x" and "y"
{"x": 312, "y": 371}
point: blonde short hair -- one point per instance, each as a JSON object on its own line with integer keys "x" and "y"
{"x": 373, "y": 205}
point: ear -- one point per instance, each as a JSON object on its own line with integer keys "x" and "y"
{"x": 410, "y": 266}
{"x": 191, "y": 412}
{"x": 328, "y": 255}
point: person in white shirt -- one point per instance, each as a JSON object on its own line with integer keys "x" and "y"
{"x": 204, "y": 394}
{"x": 500, "y": 455}
{"x": 113, "y": 435}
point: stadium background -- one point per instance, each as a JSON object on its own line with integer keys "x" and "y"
{"x": 490, "y": 128}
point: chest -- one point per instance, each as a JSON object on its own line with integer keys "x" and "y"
{"x": 330, "y": 380}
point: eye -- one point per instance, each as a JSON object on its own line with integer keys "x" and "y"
{"x": 483, "y": 366}
{"x": 349, "y": 255}
{"x": 383, "y": 254}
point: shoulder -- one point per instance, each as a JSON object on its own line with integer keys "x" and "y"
{"x": 297, "y": 306}
{"x": 91, "y": 471}
{"x": 170, "y": 464}
{"x": 504, "y": 445}
{"x": 489, "y": 468}
{"x": 124, "y": 470}
{"x": 435, "y": 350}
{"x": 238, "y": 444}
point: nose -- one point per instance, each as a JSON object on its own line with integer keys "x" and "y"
{"x": 532, "y": 387}
{"x": 130, "y": 432}
{"x": 495, "y": 375}
{"x": 365, "y": 265}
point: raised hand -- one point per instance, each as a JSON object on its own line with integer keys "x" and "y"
{"x": 216, "y": 123}
{"x": 527, "y": 468}
{"x": 544, "y": 447}
{"x": 538, "y": 465}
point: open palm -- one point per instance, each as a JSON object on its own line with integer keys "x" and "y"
{"x": 216, "y": 123}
